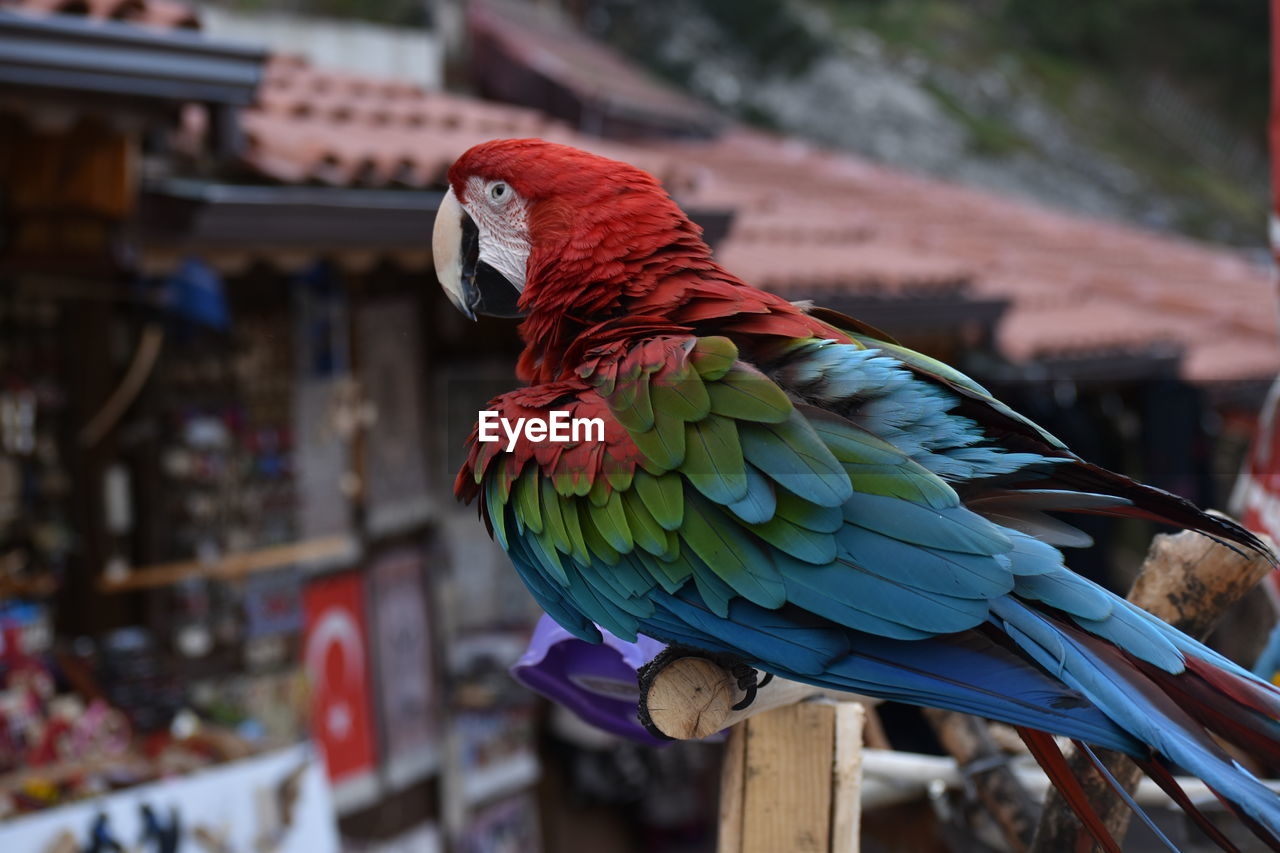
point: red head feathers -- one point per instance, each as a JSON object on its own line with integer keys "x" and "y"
{"x": 593, "y": 246}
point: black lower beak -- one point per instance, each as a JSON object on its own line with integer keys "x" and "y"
{"x": 485, "y": 290}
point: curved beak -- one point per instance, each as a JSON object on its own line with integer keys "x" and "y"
{"x": 472, "y": 286}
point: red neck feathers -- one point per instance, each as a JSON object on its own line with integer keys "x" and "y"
{"x": 612, "y": 256}
{"x": 629, "y": 264}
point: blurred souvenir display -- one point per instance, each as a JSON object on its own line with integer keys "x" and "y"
{"x": 277, "y": 802}
{"x": 507, "y": 826}
{"x": 407, "y": 674}
{"x": 390, "y": 358}
{"x": 493, "y": 724}
{"x": 329, "y": 406}
{"x": 223, "y": 408}
{"x": 35, "y": 531}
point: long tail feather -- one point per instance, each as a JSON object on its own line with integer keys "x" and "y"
{"x": 1150, "y": 503}
{"x": 1162, "y": 777}
{"x": 1226, "y": 704}
{"x": 1045, "y": 750}
{"x": 1148, "y": 707}
{"x": 1138, "y": 811}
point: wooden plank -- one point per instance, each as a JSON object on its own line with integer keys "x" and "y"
{"x": 846, "y": 793}
{"x": 733, "y": 776}
{"x": 787, "y": 804}
{"x": 231, "y": 566}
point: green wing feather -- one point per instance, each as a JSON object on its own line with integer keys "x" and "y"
{"x": 720, "y": 479}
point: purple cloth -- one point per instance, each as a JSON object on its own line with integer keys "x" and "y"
{"x": 595, "y": 681}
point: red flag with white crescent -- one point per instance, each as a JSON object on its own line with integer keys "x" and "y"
{"x": 1256, "y": 499}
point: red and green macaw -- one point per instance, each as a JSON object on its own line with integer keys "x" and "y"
{"x": 792, "y": 487}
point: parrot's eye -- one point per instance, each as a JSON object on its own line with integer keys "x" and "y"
{"x": 499, "y": 192}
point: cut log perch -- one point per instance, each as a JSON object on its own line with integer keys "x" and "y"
{"x": 1189, "y": 581}
{"x": 792, "y": 769}
{"x": 689, "y": 697}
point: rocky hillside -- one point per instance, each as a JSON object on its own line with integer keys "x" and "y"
{"x": 1099, "y": 113}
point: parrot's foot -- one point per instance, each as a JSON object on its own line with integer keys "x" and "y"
{"x": 748, "y": 682}
{"x": 746, "y": 676}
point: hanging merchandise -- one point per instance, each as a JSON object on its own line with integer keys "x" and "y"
{"x": 194, "y": 292}
{"x": 36, "y": 539}
{"x": 389, "y": 371}
{"x": 324, "y": 417}
{"x": 506, "y": 826}
{"x": 406, "y": 670}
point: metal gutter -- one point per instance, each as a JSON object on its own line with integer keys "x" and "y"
{"x": 80, "y": 55}
{"x": 205, "y": 214}
{"x": 211, "y": 215}
{"x": 915, "y": 313}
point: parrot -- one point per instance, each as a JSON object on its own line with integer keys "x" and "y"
{"x": 791, "y": 488}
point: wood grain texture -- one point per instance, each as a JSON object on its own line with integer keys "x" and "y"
{"x": 789, "y": 780}
{"x": 692, "y": 697}
{"x": 846, "y": 793}
{"x": 733, "y": 781}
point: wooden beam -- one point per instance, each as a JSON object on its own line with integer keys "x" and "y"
{"x": 230, "y": 566}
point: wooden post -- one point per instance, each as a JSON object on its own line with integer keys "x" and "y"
{"x": 792, "y": 769}
{"x": 1189, "y": 581}
{"x": 993, "y": 782}
{"x": 791, "y": 781}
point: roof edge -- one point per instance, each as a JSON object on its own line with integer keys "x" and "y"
{"x": 75, "y": 54}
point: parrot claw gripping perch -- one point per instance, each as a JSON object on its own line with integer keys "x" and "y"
{"x": 748, "y": 681}
{"x": 792, "y": 487}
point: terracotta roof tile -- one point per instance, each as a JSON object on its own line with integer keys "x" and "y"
{"x": 809, "y": 223}
{"x": 338, "y": 128}
{"x": 1076, "y": 286}
{"x": 540, "y": 43}
{"x": 164, "y": 14}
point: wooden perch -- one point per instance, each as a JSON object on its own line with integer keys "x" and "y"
{"x": 1189, "y": 581}
{"x": 792, "y": 769}
{"x": 685, "y": 697}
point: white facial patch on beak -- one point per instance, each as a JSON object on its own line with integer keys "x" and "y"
{"x": 504, "y": 231}
{"x": 446, "y": 251}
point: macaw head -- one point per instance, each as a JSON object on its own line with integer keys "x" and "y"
{"x": 528, "y": 224}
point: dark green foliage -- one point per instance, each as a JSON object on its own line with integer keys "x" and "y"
{"x": 1219, "y": 48}
{"x": 767, "y": 29}
{"x": 403, "y": 13}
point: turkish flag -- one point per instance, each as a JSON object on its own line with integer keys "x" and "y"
{"x": 336, "y": 657}
{"x": 1256, "y": 498}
